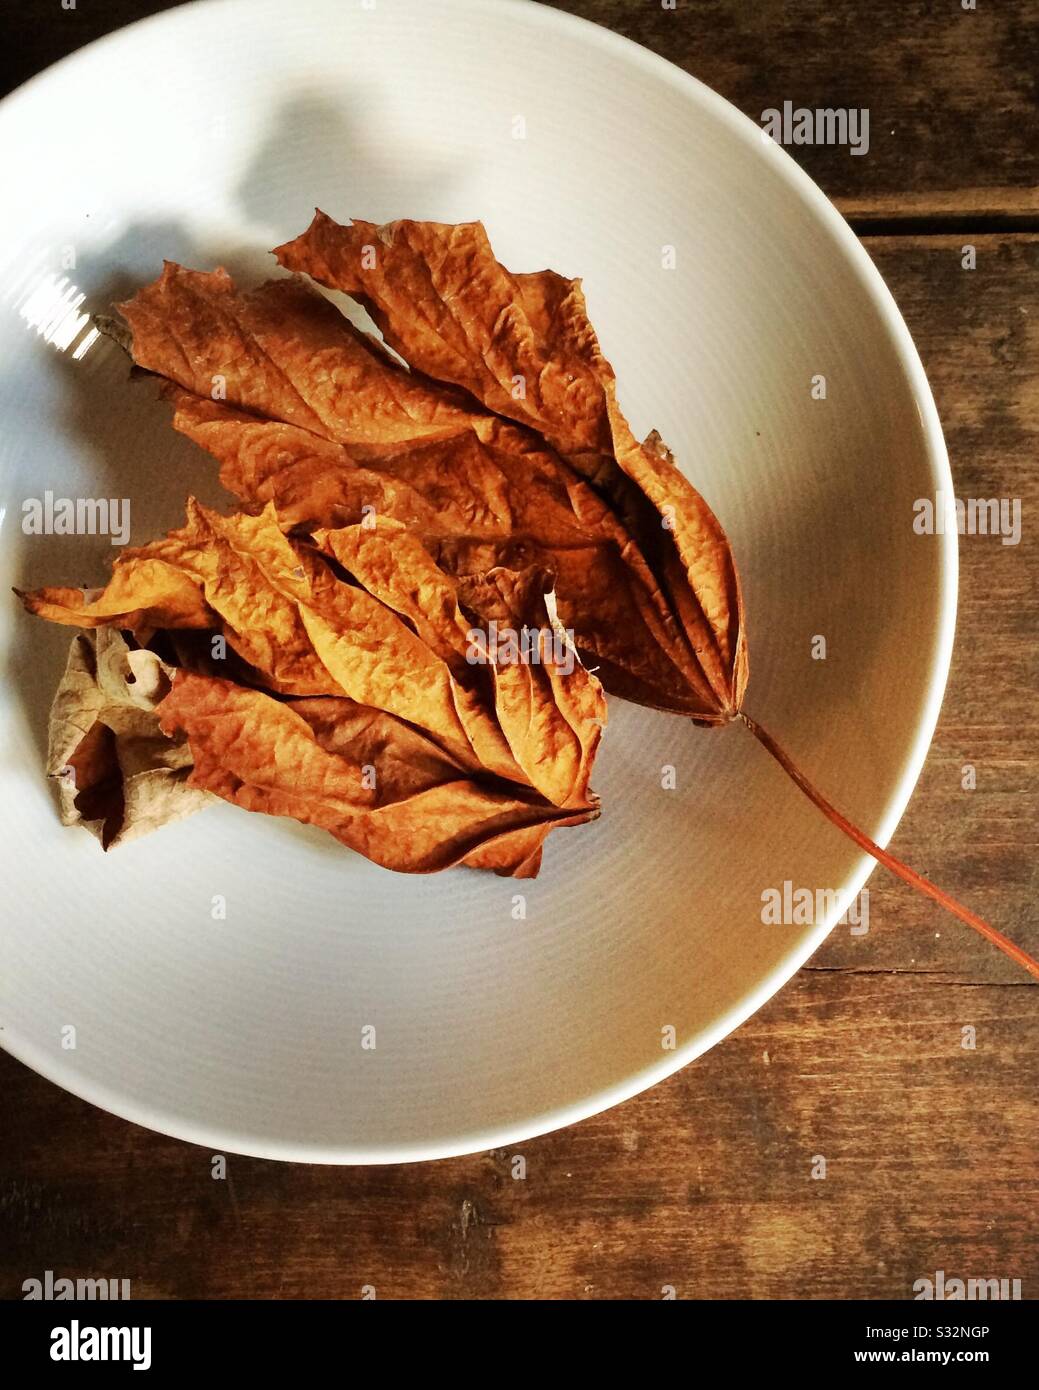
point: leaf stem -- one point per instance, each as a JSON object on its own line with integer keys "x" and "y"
{"x": 904, "y": 872}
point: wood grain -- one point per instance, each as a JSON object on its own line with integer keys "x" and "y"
{"x": 704, "y": 1183}
{"x": 952, "y": 93}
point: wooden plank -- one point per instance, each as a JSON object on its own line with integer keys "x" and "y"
{"x": 704, "y": 1183}
{"x": 950, "y": 92}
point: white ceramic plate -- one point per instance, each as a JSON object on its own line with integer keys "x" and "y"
{"x": 207, "y": 135}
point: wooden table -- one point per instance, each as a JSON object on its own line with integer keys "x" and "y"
{"x": 704, "y": 1183}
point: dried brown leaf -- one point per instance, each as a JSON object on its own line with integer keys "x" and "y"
{"x": 313, "y": 417}
{"x": 445, "y": 304}
{"x": 376, "y": 784}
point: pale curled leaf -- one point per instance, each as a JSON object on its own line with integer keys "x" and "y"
{"x": 116, "y": 772}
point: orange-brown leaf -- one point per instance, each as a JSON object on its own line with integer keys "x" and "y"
{"x": 317, "y": 419}
{"x": 313, "y": 760}
{"x": 453, "y": 312}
